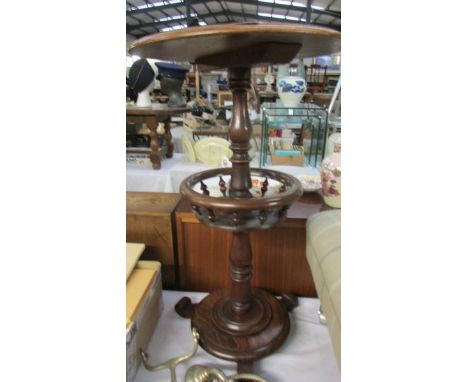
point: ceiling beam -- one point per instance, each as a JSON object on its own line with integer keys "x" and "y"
{"x": 131, "y": 28}
{"x": 158, "y": 24}
{"x": 309, "y": 3}
{"x": 211, "y": 12}
{"x": 166, "y": 15}
{"x": 329, "y": 5}
{"x": 248, "y": 2}
{"x": 147, "y": 14}
{"x": 188, "y": 11}
{"x": 288, "y": 7}
{"x": 335, "y": 27}
{"x": 225, "y": 11}
{"x": 137, "y": 11}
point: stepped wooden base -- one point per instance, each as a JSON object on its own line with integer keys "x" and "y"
{"x": 260, "y": 332}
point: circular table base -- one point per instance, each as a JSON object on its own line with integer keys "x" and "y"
{"x": 244, "y": 346}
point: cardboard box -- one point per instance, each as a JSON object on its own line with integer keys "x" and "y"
{"x": 287, "y": 160}
{"x": 144, "y": 307}
{"x": 134, "y": 251}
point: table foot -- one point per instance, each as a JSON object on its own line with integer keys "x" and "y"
{"x": 185, "y": 308}
{"x": 290, "y": 301}
{"x": 243, "y": 345}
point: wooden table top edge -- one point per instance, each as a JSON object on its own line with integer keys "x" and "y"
{"x": 233, "y": 29}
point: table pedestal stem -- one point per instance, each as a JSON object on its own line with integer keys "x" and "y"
{"x": 241, "y": 273}
{"x": 240, "y": 132}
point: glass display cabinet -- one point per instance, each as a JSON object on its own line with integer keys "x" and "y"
{"x": 306, "y": 125}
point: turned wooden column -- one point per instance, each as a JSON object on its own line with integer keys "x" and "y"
{"x": 241, "y": 273}
{"x": 168, "y": 137}
{"x": 240, "y": 132}
{"x": 154, "y": 144}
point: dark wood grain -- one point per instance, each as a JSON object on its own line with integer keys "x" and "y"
{"x": 195, "y": 44}
{"x": 268, "y": 337}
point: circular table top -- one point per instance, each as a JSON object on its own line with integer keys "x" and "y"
{"x": 225, "y": 45}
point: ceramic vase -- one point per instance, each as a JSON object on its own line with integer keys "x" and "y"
{"x": 291, "y": 90}
{"x": 330, "y": 173}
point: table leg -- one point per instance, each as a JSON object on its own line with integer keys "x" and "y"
{"x": 168, "y": 136}
{"x": 154, "y": 144}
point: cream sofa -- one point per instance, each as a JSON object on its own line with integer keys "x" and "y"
{"x": 323, "y": 251}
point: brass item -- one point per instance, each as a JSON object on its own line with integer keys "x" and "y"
{"x": 197, "y": 373}
{"x": 173, "y": 362}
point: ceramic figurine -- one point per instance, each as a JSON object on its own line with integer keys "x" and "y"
{"x": 141, "y": 82}
{"x": 172, "y": 77}
{"x": 269, "y": 79}
{"x": 160, "y": 129}
{"x": 291, "y": 90}
{"x": 330, "y": 173}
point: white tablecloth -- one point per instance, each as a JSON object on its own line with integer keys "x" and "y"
{"x": 173, "y": 171}
{"x": 306, "y": 356}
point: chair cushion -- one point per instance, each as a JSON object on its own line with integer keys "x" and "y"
{"x": 323, "y": 251}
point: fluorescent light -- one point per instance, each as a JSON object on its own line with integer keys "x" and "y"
{"x": 282, "y": 2}
{"x": 277, "y": 16}
{"x": 266, "y": 1}
{"x": 298, "y": 4}
{"x": 317, "y": 7}
{"x": 159, "y": 4}
{"x": 177, "y": 17}
{"x": 264, "y": 14}
{"x": 292, "y": 18}
{"x": 202, "y": 23}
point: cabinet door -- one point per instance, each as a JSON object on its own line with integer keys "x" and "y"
{"x": 278, "y": 254}
{"x": 156, "y": 233}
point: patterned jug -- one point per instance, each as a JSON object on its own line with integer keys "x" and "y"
{"x": 330, "y": 173}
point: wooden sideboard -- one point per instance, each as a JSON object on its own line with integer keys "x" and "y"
{"x": 150, "y": 220}
{"x": 279, "y": 260}
{"x": 195, "y": 257}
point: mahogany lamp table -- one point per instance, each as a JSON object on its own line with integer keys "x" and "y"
{"x": 151, "y": 116}
{"x": 240, "y": 323}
